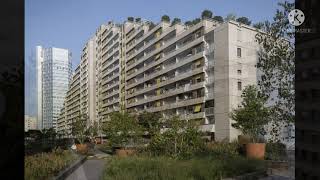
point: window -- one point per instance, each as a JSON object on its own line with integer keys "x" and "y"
{"x": 239, "y": 86}
{"x": 239, "y": 72}
{"x": 239, "y": 52}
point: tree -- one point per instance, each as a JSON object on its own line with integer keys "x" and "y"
{"x": 258, "y": 25}
{"x": 230, "y": 17}
{"x": 138, "y": 19}
{"x": 130, "y": 19}
{"x": 206, "y": 14}
{"x": 122, "y": 129}
{"x": 188, "y": 23}
{"x": 176, "y": 21}
{"x": 277, "y": 66}
{"x": 244, "y": 20}
{"x": 79, "y": 128}
{"x": 253, "y": 114}
{"x": 93, "y": 130}
{"x": 218, "y": 18}
{"x": 165, "y": 18}
{"x": 196, "y": 21}
{"x": 150, "y": 122}
{"x": 181, "y": 139}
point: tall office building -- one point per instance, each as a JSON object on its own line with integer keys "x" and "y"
{"x": 54, "y": 70}
{"x": 196, "y": 72}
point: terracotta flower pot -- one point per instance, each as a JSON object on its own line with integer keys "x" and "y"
{"x": 256, "y": 150}
{"x": 82, "y": 148}
{"x": 124, "y": 152}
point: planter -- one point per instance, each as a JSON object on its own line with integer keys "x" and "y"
{"x": 243, "y": 139}
{"x": 256, "y": 150}
{"x": 125, "y": 152}
{"x": 82, "y": 148}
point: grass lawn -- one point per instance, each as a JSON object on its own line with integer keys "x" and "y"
{"x": 46, "y": 165}
{"x": 163, "y": 168}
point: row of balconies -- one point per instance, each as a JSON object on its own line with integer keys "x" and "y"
{"x": 167, "y": 44}
{"x": 173, "y": 53}
{"x": 163, "y": 59}
{"x": 110, "y": 103}
{"x": 110, "y": 78}
{"x": 180, "y": 63}
{"x": 142, "y": 38}
{"x": 109, "y": 86}
{"x": 137, "y": 31}
{"x": 149, "y": 43}
{"x": 108, "y": 71}
{"x": 167, "y": 94}
{"x": 114, "y": 92}
{"x": 110, "y": 110}
{"x": 106, "y": 65}
{"x": 167, "y": 82}
{"x": 110, "y": 50}
{"x": 177, "y": 104}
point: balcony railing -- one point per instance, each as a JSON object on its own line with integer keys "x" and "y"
{"x": 168, "y": 81}
{"x": 209, "y": 111}
{"x": 149, "y": 43}
{"x": 163, "y": 71}
{"x": 178, "y": 104}
{"x": 170, "y": 93}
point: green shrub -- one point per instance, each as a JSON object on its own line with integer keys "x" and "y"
{"x": 163, "y": 168}
{"x": 275, "y": 151}
{"x": 46, "y": 165}
{"x": 181, "y": 140}
{"x": 219, "y": 150}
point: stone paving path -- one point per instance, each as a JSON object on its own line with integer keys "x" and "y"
{"x": 91, "y": 169}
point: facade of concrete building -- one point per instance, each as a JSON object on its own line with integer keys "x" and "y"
{"x": 30, "y": 123}
{"x": 54, "y": 71}
{"x": 71, "y": 108}
{"x": 81, "y": 96}
{"x": 108, "y": 69}
{"x": 196, "y": 72}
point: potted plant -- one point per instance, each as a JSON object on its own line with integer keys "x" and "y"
{"x": 123, "y": 131}
{"x": 79, "y": 132}
{"x": 251, "y": 118}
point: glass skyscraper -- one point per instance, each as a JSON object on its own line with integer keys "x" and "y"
{"x": 54, "y": 71}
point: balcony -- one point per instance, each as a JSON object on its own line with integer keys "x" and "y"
{"x": 138, "y": 30}
{"x": 146, "y": 36}
{"x": 168, "y": 81}
{"x": 163, "y": 71}
{"x": 167, "y": 44}
{"x": 148, "y": 44}
{"x": 110, "y": 103}
{"x": 111, "y": 94}
{"x": 109, "y": 87}
{"x": 110, "y": 54}
{"x": 170, "y": 93}
{"x": 110, "y": 62}
{"x": 209, "y": 111}
{"x": 178, "y": 104}
{"x": 168, "y": 56}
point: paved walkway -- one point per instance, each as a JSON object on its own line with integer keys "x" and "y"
{"x": 91, "y": 169}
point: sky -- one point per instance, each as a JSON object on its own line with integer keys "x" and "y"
{"x": 70, "y": 23}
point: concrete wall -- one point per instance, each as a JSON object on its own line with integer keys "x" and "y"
{"x": 229, "y": 37}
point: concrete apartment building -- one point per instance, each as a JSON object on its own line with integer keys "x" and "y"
{"x": 108, "y": 69}
{"x": 196, "y": 72}
{"x": 81, "y": 96}
{"x": 54, "y": 71}
{"x": 30, "y": 123}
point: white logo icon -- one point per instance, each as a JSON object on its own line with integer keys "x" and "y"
{"x": 296, "y": 17}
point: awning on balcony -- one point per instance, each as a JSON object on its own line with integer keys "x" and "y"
{"x": 197, "y": 108}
